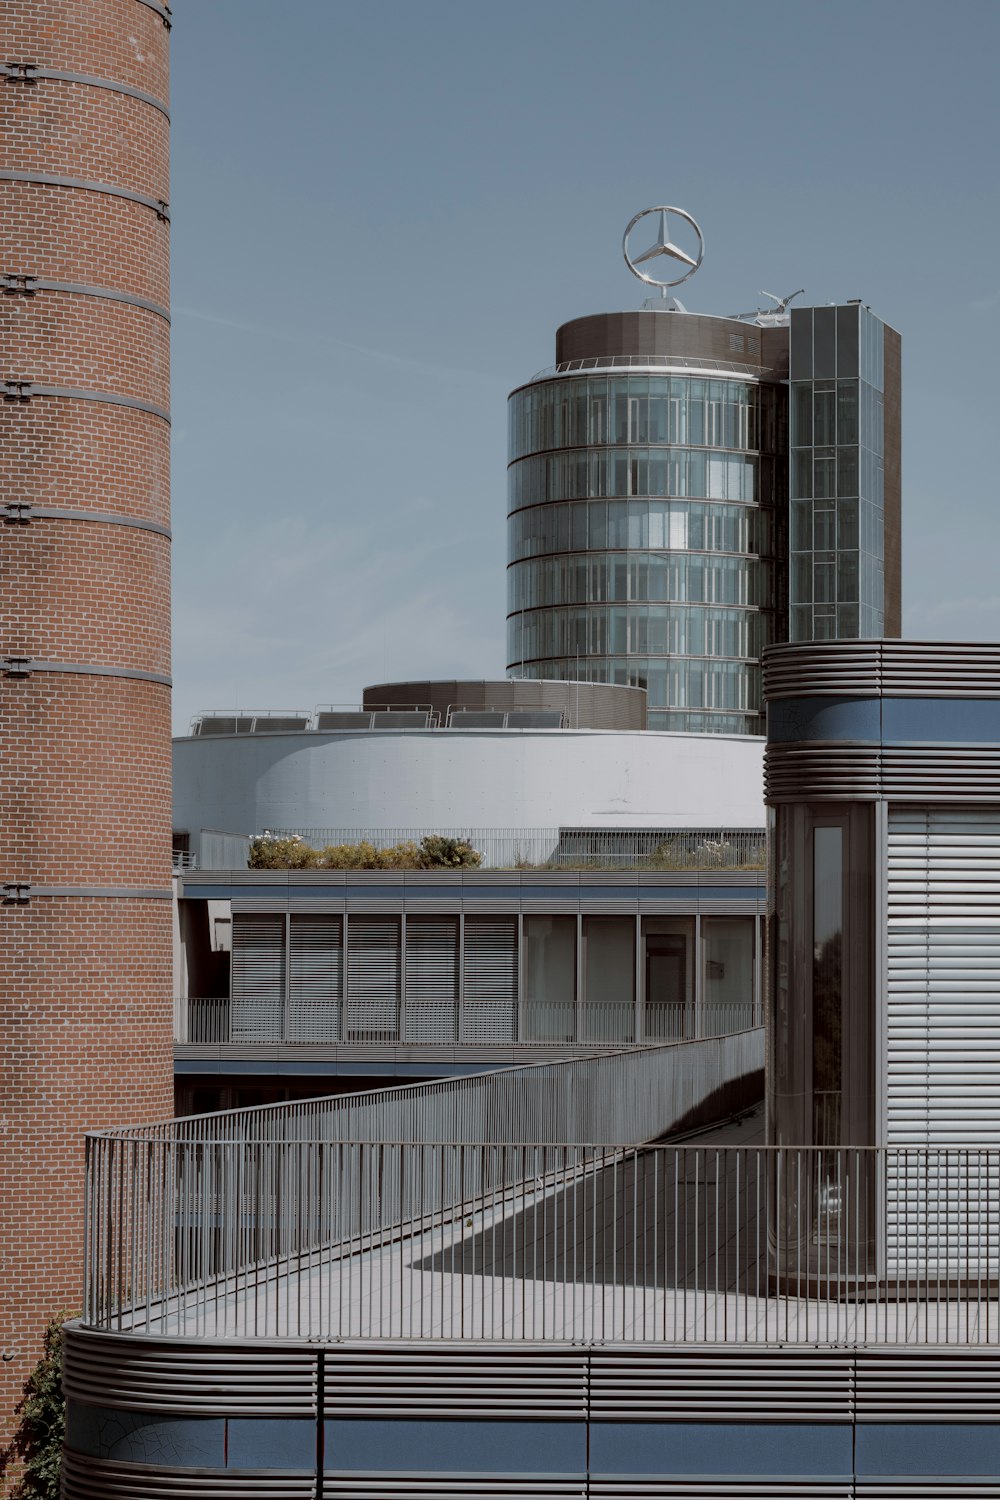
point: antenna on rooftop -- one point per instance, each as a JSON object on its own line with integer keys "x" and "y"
{"x": 780, "y": 303}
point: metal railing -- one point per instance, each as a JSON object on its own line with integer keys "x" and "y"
{"x": 205, "y": 1020}
{"x": 506, "y": 1240}
{"x": 647, "y": 362}
{"x": 174, "y": 1207}
{"x": 663, "y": 848}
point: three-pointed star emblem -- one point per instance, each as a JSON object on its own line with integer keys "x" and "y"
{"x": 664, "y": 245}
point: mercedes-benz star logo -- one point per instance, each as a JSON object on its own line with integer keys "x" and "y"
{"x": 663, "y": 245}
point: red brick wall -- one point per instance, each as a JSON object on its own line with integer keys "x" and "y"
{"x": 85, "y": 980}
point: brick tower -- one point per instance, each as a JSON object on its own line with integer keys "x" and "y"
{"x": 85, "y": 928}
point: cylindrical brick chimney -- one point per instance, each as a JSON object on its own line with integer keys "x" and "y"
{"x": 85, "y": 923}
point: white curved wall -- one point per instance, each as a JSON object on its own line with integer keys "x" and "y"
{"x": 468, "y": 778}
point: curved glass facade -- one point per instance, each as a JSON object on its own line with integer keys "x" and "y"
{"x": 642, "y": 537}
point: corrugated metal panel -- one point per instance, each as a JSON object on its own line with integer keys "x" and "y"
{"x": 430, "y": 1007}
{"x": 374, "y": 958}
{"x": 178, "y": 1376}
{"x": 315, "y": 978}
{"x": 898, "y": 669}
{"x": 844, "y": 667}
{"x": 254, "y": 904}
{"x": 400, "y": 1381}
{"x": 939, "y": 1385}
{"x": 835, "y": 771}
{"x": 636, "y": 1383}
{"x": 103, "y": 1479}
{"x": 735, "y": 1488}
{"x": 941, "y": 773}
{"x": 440, "y": 1487}
{"x": 822, "y": 772}
{"x": 258, "y": 977}
{"x": 927, "y": 1489}
{"x": 489, "y": 1003}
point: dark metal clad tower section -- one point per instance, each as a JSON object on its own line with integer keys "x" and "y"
{"x": 85, "y": 931}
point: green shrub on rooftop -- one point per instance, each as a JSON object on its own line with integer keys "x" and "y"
{"x": 270, "y": 851}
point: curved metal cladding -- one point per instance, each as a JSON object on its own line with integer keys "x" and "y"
{"x": 866, "y": 720}
{"x": 646, "y": 514}
{"x": 390, "y": 1417}
{"x": 85, "y": 946}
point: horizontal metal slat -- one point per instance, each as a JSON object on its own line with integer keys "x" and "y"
{"x": 175, "y": 1376}
{"x": 455, "y": 1381}
{"x": 725, "y": 1385}
{"x": 665, "y": 1488}
{"x": 86, "y": 1478}
{"x": 461, "y": 1487}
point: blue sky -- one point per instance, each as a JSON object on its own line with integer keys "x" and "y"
{"x": 381, "y": 212}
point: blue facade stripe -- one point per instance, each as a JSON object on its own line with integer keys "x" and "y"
{"x": 362, "y": 1445}
{"x": 711, "y": 1449}
{"x": 916, "y": 1452}
{"x": 967, "y": 721}
{"x": 887, "y": 721}
{"x": 928, "y": 1449}
{"x": 146, "y": 1437}
{"x": 798, "y": 720}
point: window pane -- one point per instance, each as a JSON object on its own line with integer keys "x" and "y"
{"x": 827, "y": 979}
{"x": 668, "y": 975}
{"x": 550, "y": 978}
{"x": 609, "y": 966}
{"x": 728, "y": 953}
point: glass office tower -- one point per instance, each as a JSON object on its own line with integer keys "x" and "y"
{"x": 648, "y": 503}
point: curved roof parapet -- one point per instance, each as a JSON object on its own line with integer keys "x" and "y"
{"x": 523, "y": 702}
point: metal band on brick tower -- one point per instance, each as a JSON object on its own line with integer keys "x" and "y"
{"x": 85, "y": 929}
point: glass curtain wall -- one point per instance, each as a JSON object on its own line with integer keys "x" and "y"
{"x": 821, "y": 983}
{"x": 837, "y": 522}
{"x": 642, "y": 520}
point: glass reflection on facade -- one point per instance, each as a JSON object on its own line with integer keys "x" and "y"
{"x": 837, "y": 522}
{"x": 642, "y": 537}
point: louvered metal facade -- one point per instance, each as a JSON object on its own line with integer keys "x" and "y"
{"x": 846, "y": 1422}
{"x": 444, "y": 961}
